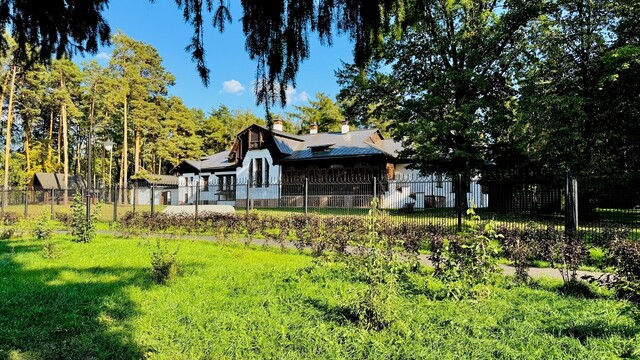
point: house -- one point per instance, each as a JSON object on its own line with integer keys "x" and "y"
{"x": 163, "y": 188}
{"x": 341, "y": 169}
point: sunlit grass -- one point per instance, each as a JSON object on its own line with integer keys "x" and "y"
{"x": 97, "y": 300}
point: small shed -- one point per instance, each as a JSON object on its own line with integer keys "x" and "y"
{"x": 53, "y": 181}
{"x": 165, "y": 192}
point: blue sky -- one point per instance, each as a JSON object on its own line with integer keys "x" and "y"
{"x": 232, "y": 72}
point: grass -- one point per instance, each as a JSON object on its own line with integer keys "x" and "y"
{"x": 105, "y": 214}
{"x": 97, "y": 300}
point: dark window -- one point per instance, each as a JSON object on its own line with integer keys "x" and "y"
{"x": 254, "y": 140}
{"x": 266, "y": 173}
{"x": 250, "y": 172}
{"x": 259, "y": 172}
{"x": 220, "y": 183}
{"x": 205, "y": 180}
{"x": 439, "y": 180}
{"x": 231, "y": 182}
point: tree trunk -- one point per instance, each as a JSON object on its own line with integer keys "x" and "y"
{"x": 4, "y": 90}
{"x": 65, "y": 146}
{"x": 7, "y": 148}
{"x": 49, "y": 143}
{"x": 121, "y": 180}
{"x": 138, "y": 145}
{"x": 59, "y": 142}
{"x": 27, "y": 143}
{"x": 125, "y": 163}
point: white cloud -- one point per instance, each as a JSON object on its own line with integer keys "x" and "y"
{"x": 291, "y": 93}
{"x": 232, "y": 87}
{"x": 294, "y": 97}
{"x": 103, "y": 56}
{"x": 303, "y": 97}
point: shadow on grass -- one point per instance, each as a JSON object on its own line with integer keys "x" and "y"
{"x": 64, "y": 312}
{"x": 340, "y": 314}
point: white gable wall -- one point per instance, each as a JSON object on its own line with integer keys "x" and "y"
{"x": 242, "y": 175}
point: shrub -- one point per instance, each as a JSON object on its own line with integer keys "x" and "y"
{"x": 517, "y": 247}
{"x": 7, "y": 233}
{"x": 305, "y": 227}
{"x": 566, "y": 256}
{"x": 42, "y": 230}
{"x": 466, "y": 259}
{"x": 374, "y": 306}
{"x": 82, "y": 229}
{"x": 164, "y": 265}
{"x": 10, "y": 218}
{"x": 50, "y": 250}
{"x": 254, "y": 225}
{"x": 626, "y": 279}
{"x": 63, "y": 217}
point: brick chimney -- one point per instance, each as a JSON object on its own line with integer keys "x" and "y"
{"x": 277, "y": 124}
{"x": 345, "y": 126}
{"x": 313, "y": 129}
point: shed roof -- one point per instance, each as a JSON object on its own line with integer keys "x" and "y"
{"x": 49, "y": 181}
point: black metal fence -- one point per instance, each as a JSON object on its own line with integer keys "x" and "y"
{"x": 585, "y": 205}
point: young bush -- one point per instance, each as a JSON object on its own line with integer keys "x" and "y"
{"x": 626, "y": 279}
{"x": 63, "y": 217}
{"x": 82, "y": 230}
{"x": 42, "y": 231}
{"x": 7, "y": 233}
{"x": 467, "y": 259}
{"x": 50, "y": 250}
{"x": 517, "y": 248}
{"x": 10, "y": 218}
{"x": 164, "y": 265}
{"x": 566, "y": 256}
{"x": 378, "y": 267}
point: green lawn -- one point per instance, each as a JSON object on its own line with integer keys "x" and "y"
{"x": 97, "y": 301}
{"x": 105, "y": 214}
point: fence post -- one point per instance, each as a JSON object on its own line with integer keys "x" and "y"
{"x": 306, "y": 196}
{"x": 571, "y": 206}
{"x": 134, "y": 195}
{"x": 53, "y": 195}
{"x": 197, "y": 198}
{"x": 248, "y": 194}
{"x": 459, "y": 200}
{"x": 26, "y": 202}
{"x": 116, "y": 200}
{"x": 153, "y": 196}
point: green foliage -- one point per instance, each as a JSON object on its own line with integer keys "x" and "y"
{"x": 50, "y": 250}
{"x": 466, "y": 259}
{"x": 164, "y": 265}
{"x": 42, "y": 231}
{"x": 377, "y": 265}
{"x": 7, "y": 233}
{"x": 323, "y": 111}
{"x": 253, "y": 303}
{"x": 10, "y": 218}
{"x": 83, "y": 230}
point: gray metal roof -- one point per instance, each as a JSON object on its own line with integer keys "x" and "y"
{"x": 355, "y": 143}
{"x": 156, "y": 179}
{"x": 351, "y": 144}
{"x": 49, "y": 181}
{"x": 212, "y": 162}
